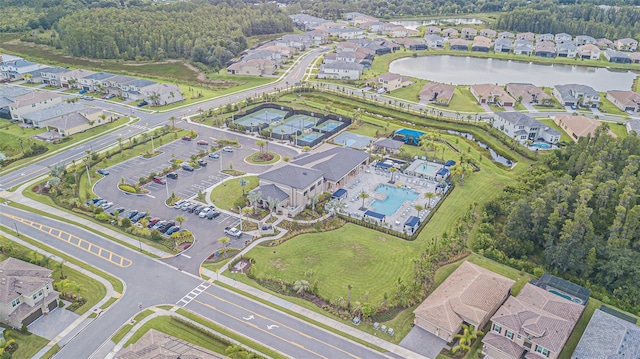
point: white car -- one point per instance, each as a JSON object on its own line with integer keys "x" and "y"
{"x": 227, "y": 149}
{"x": 233, "y": 232}
{"x": 204, "y": 212}
{"x": 107, "y": 205}
{"x": 179, "y": 204}
{"x": 381, "y": 91}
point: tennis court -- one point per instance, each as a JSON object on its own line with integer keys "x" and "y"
{"x": 329, "y": 125}
{"x": 259, "y": 117}
{"x": 295, "y": 123}
{"x": 353, "y": 140}
{"x": 310, "y": 137}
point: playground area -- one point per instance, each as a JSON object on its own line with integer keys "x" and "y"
{"x": 409, "y": 137}
{"x": 258, "y": 118}
{"x": 353, "y": 140}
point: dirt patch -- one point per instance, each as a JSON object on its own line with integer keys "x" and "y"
{"x": 279, "y": 264}
{"x": 241, "y": 267}
{"x": 382, "y": 238}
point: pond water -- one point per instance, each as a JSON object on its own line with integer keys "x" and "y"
{"x": 459, "y": 70}
{"x": 413, "y": 24}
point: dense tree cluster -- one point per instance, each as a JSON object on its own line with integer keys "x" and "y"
{"x": 579, "y": 214}
{"x": 612, "y": 23}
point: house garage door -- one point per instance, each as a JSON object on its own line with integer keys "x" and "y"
{"x": 53, "y": 305}
{"x": 33, "y": 316}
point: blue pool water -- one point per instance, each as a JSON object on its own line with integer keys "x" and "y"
{"x": 541, "y": 145}
{"x": 395, "y": 197}
{"x": 566, "y": 296}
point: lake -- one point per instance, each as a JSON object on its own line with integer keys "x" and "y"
{"x": 459, "y": 70}
{"x": 413, "y": 24}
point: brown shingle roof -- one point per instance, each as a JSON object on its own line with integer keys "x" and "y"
{"x": 18, "y": 277}
{"x": 469, "y": 294}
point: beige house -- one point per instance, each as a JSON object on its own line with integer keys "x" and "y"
{"x": 536, "y": 321}
{"x": 468, "y": 33}
{"x": 254, "y": 67}
{"x": 437, "y": 93}
{"x": 27, "y": 292}
{"x": 625, "y": 100}
{"x": 391, "y": 82}
{"x": 72, "y": 79}
{"x": 471, "y": 294}
{"x": 33, "y": 101}
{"x": 78, "y": 122}
{"x": 578, "y": 126}
{"x": 527, "y": 93}
{"x": 490, "y": 93}
{"x": 589, "y": 51}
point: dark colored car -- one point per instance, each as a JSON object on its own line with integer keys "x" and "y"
{"x": 172, "y": 175}
{"x": 103, "y": 172}
{"x": 186, "y": 138}
{"x": 166, "y": 226}
{"x": 213, "y": 214}
{"x": 172, "y": 230}
{"x": 100, "y": 202}
{"x": 93, "y": 201}
{"x": 152, "y": 222}
{"x": 202, "y": 143}
{"x": 132, "y": 213}
{"x": 119, "y": 210}
{"x": 159, "y": 224}
{"x": 108, "y": 96}
{"x": 138, "y": 217}
{"x": 192, "y": 208}
{"x": 159, "y": 180}
{"x": 142, "y": 104}
{"x": 198, "y": 209}
{"x": 202, "y": 162}
{"x": 188, "y": 168}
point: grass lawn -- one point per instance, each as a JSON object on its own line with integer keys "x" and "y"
{"x": 462, "y": 101}
{"x": 636, "y": 84}
{"x": 549, "y": 122}
{"x": 372, "y": 129}
{"x": 618, "y": 128}
{"x": 226, "y": 194}
{"x": 252, "y": 158}
{"x": 28, "y": 345}
{"x": 409, "y": 93}
{"x": 116, "y": 338}
{"x": 609, "y": 108}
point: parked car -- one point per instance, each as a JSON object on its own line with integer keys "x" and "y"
{"x": 107, "y": 205}
{"x": 214, "y": 155}
{"x": 159, "y": 224}
{"x": 212, "y": 214}
{"x": 159, "y": 180}
{"x": 199, "y": 209}
{"x": 87, "y": 97}
{"x": 138, "y": 217}
{"x": 188, "y": 168}
{"x": 166, "y": 226}
{"x": 152, "y": 222}
{"x": 132, "y": 213}
{"x": 142, "y": 104}
{"x": 103, "y": 172}
{"x": 233, "y": 232}
{"x": 186, "y": 205}
{"x": 93, "y": 201}
{"x": 203, "y": 143}
{"x": 203, "y": 213}
{"x": 227, "y": 149}
{"x": 172, "y": 230}
{"x": 82, "y": 92}
{"x": 381, "y": 91}
{"x": 202, "y": 162}
{"x": 179, "y": 204}
{"x": 100, "y": 202}
{"x": 108, "y": 96}
{"x": 186, "y": 138}
{"x": 192, "y": 207}
{"x": 119, "y": 210}
{"x": 172, "y": 175}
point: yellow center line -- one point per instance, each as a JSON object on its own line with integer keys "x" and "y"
{"x": 258, "y": 328}
{"x": 282, "y": 325}
{"x": 74, "y": 241}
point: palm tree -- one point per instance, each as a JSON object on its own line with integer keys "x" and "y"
{"x": 180, "y": 218}
{"x": 60, "y": 267}
{"x": 120, "y": 143}
{"x": 419, "y": 208}
{"x": 77, "y": 288}
{"x": 392, "y": 170}
{"x": 429, "y": 196}
{"x": 224, "y": 241}
{"x": 254, "y": 198}
{"x": 173, "y": 121}
{"x": 349, "y": 287}
{"x": 243, "y": 184}
{"x": 468, "y": 335}
{"x": 261, "y": 145}
{"x": 364, "y": 196}
{"x": 301, "y": 286}
{"x": 236, "y": 352}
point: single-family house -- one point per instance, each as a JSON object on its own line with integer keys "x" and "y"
{"x": 535, "y": 324}
{"x": 450, "y": 33}
{"x": 297, "y": 41}
{"x": 374, "y": 26}
{"x": 347, "y": 33}
{"x": 134, "y": 90}
{"x": 491, "y": 34}
{"x": 635, "y": 57}
{"x": 76, "y": 122}
{"x": 27, "y": 292}
{"x": 437, "y": 93}
{"x": 576, "y": 95}
{"x": 584, "y": 39}
{"x": 529, "y": 36}
{"x": 562, "y": 37}
{"x": 254, "y": 67}
{"x": 627, "y": 101}
{"x": 527, "y": 93}
{"x": 545, "y": 37}
{"x": 471, "y": 295}
{"x": 263, "y": 54}
{"x": 33, "y": 77}
{"x": 398, "y": 31}
{"x": 633, "y": 125}
{"x": 340, "y": 70}
{"x": 567, "y": 49}
{"x": 349, "y": 16}
{"x": 491, "y": 94}
{"x": 506, "y": 35}
{"x": 162, "y": 94}
{"x": 626, "y": 44}
{"x": 481, "y": 44}
{"x": 589, "y": 52}
{"x": 413, "y": 44}
{"x": 434, "y": 41}
{"x": 468, "y": 33}
{"x": 578, "y": 126}
{"x": 387, "y": 145}
{"x": 346, "y": 56}
{"x": 523, "y": 47}
{"x": 618, "y": 57}
{"x": 609, "y": 334}
{"x": 318, "y": 37}
{"x": 458, "y": 45}
{"x": 50, "y": 75}
{"x": 307, "y": 22}
{"x": 72, "y": 79}
{"x": 432, "y": 30}
{"x": 522, "y": 128}
{"x": 285, "y": 51}
{"x": 502, "y": 45}
{"x": 545, "y": 49}
{"x": 32, "y": 101}
{"x": 8, "y": 95}
{"x": 15, "y": 69}
{"x": 391, "y": 82}
{"x": 604, "y": 44}
{"x": 96, "y": 82}
{"x": 361, "y": 19}
{"x": 39, "y": 118}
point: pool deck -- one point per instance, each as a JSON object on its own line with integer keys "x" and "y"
{"x": 372, "y": 178}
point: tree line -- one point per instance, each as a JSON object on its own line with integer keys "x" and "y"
{"x": 578, "y": 215}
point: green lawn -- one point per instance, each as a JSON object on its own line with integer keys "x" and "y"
{"x": 609, "y": 108}
{"x": 28, "y": 345}
{"x": 409, "y": 93}
{"x": 462, "y": 101}
{"x": 117, "y": 337}
{"x": 549, "y": 122}
{"x": 225, "y": 195}
{"x": 618, "y": 128}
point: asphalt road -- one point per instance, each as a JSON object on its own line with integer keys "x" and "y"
{"x": 150, "y": 282}
{"x": 150, "y": 119}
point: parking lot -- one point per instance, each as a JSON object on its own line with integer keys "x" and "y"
{"x": 187, "y": 185}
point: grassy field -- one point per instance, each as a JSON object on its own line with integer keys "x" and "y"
{"x": 28, "y": 345}
{"x": 226, "y": 194}
{"x": 618, "y": 128}
{"x": 609, "y": 108}
{"x": 462, "y": 101}
{"x": 409, "y": 93}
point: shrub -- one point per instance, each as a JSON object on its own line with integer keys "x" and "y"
{"x": 125, "y": 222}
{"x": 103, "y": 217}
{"x": 156, "y": 235}
{"x": 127, "y": 188}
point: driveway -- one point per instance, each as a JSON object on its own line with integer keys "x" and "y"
{"x": 423, "y": 342}
{"x": 51, "y": 325}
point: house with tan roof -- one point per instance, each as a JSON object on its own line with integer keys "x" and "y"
{"x": 450, "y": 33}
{"x": 481, "y": 44}
{"x": 458, "y": 45}
{"x": 71, "y": 79}
{"x": 626, "y": 44}
{"x": 391, "y": 82}
{"x": 635, "y": 57}
{"x": 627, "y": 101}
{"x": 26, "y": 292}
{"x": 31, "y": 102}
{"x": 527, "y": 93}
{"x": 488, "y": 33}
{"x": 490, "y": 93}
{"x": 471, "y": 294}
{"x": 255, "y": 67}
{"x": 535, "y": 325}
{"x": 432, "y": 30}
{"x": 468, "y": 33}
{"x": 589, "y": 51}
{"x": 529, "y": 36}
{"x": 578, "y": 126}
{"x": 437, "y": 93}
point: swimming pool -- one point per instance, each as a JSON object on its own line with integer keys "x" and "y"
{"x": 566, "y": 296}
{"x": 395, "y": 198}
{"x": 542, "y": 145}
{"x": 427, "y": 169}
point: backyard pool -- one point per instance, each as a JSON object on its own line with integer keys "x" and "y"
{"x": 542, "y": 145}
{"x": 566, "y": 296}
{"x": 396, "y": 196}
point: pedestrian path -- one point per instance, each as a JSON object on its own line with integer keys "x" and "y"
{"x": 193, "y": 294}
